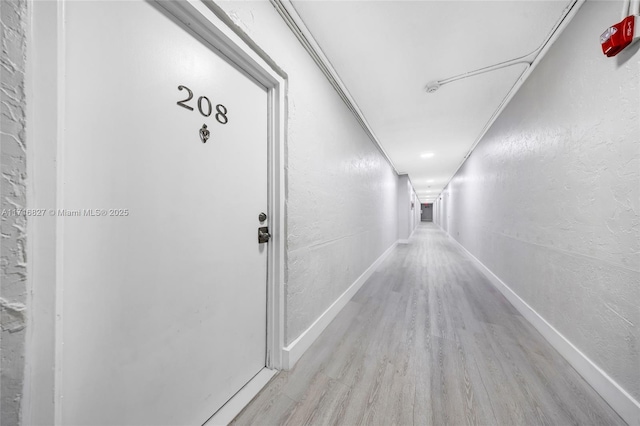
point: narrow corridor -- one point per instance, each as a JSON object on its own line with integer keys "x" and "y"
{"x": 211, "y": 212}
{"x": 428, "y": 340}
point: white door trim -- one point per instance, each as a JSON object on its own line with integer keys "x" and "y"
{"x": 45, "y": 86}
{"x": 235, "y": 405}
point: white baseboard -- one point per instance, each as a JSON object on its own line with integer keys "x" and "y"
{"x": 406, "y": 241}
{"x": 619, "y": 399}
{"x": 232, "y": 408}
{"x": 414, "y": 229}
{"x": 292, "y": 353}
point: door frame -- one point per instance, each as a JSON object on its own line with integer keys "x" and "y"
{"x": 45, "y": 84}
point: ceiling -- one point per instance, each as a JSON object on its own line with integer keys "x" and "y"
{"x": 385, "y": 53}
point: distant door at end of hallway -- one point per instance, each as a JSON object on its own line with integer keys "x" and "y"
{"x": 427, "y": 213}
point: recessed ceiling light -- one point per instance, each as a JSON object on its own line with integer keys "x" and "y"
{"x": 427, "y": 155}
{"x": 430, "y": 181}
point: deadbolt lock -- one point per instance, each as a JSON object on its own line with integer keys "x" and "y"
{"x": 262, "y": 217}
{"x": 263, "y": 234}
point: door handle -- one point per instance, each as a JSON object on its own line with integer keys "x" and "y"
{"x": 263, "y": 234}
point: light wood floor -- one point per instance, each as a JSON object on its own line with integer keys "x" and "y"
{"x": 429, "y": 341}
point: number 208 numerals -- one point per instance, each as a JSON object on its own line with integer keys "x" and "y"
{"x": 204, "y": 106}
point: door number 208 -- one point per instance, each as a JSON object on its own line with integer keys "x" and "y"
{"x": 204, "y": 106}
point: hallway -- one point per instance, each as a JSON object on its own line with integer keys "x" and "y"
{"x": 211, "y": 212}
{"x": 428, "y": 340}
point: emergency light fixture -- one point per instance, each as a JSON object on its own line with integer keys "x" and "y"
{"x": 617, "y": 37}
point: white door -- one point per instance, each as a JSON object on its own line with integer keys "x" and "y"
{"x": 163, "y": 279}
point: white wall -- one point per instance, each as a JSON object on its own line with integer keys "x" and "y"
{"x": 404, "y": 208}
{"x": 13, "y": 166}
{"x": 341, "y": 192}
{"x": 549, "y": 199}
{"x": 417, "y": 211}
{"x": 415, "y": 220}
{"x": 408, "y": 218}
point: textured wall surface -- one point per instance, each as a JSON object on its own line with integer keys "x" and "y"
{"x": 549, "y": 200}
{"x": 341, "y": 192}
{"x": 13, "y": 222}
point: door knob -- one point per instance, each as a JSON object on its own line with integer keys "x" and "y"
{"x": 263, "y": 235}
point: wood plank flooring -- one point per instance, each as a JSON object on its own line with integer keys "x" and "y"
{"x": 428, "y": 341}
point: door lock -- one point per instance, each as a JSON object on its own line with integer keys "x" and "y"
{"x": 263, "y": 234}
{"x": 262, "y": 217}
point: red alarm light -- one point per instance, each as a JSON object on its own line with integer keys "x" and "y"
{"x": 619, "y": 36}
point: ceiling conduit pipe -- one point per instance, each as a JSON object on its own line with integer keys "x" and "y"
{"x": 432, "y": 86}
{"x": 528, "y": 59}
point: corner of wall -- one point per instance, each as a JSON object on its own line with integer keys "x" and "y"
{"x": 294, "y": 351}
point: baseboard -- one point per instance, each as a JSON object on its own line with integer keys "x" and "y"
{"x": 232, "y": 408}
{"x": 413, "y": 231}
{"x": 619, "y": 399}
{"x": 292, "y": 353}
{"x": 406, "y": 240}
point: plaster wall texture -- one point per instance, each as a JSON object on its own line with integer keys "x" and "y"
{"x": 341, "y": 192}
{"x": 549, "y": 199}
{"x": 13, "y": 293}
